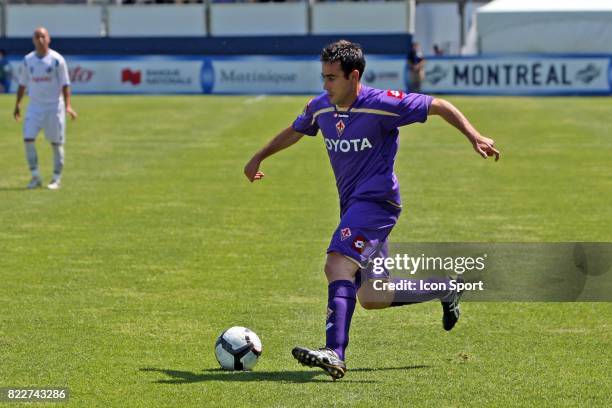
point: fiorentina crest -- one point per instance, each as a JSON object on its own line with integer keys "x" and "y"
{"x": 340, "y": 127}
{"x": 345, "y": 233}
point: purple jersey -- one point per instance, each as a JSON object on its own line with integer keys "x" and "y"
{"x": 362, "y": 140}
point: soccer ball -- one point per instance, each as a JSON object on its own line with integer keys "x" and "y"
{"x": 238, "y": 348}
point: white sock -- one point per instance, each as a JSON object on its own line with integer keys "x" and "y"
{"x": 58, "y": 161}
{"x": 32, "y": 158}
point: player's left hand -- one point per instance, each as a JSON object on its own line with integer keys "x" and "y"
{"x": 71, "y": 112}
{"x": 485, "y": 147}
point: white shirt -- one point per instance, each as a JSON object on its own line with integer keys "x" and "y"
{"x": 44, "y": 78}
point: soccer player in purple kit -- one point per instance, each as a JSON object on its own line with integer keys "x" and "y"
{"x": 360, "y": 131}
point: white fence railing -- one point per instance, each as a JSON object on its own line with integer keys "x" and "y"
{"x": 213, "y": 19}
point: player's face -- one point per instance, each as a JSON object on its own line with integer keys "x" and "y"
{"x": 41, "y": 40}
{"x": 340, "y": 89}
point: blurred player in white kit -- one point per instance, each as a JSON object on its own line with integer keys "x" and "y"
{"x": 45, "y": 75}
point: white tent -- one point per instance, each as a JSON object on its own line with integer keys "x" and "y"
{"x": 545, "y": 26}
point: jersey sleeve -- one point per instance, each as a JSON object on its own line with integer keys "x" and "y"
{"x": 410, "y": 108}
{"x": 305, "y": 123}
{"x": 62, "y": 72}
{"x": 23, "y": 76}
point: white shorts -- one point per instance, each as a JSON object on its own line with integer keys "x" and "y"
{"x": 51, "y": 119}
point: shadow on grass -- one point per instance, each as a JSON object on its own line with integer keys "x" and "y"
{"x": 187, "y": 377}
{"x": 13, "y": 189}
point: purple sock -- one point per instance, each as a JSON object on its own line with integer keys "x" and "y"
{"x": 407, "y": 297}
{"x": 340, "y": 307}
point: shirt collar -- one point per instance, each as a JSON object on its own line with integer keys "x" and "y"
{"x": 360, "y": 94}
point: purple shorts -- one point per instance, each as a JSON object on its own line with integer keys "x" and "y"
{"x": 363, "y": 231}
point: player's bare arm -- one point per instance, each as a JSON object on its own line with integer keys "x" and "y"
{"x": 67, "y": 101}
{"x": 482, "y": 145}
{"x": 282, "y": 141}
{"x": 17, "y": 111}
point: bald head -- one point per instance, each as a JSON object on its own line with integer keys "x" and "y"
{"x": 41, "y": 40}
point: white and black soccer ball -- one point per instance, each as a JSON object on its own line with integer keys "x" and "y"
{"x": 238, "y": 348}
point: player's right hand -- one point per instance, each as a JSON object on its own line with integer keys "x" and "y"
{"x": 251, "y": 170}
{"x": 17, "y": 113}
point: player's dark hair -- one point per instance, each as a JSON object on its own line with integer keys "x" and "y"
{"x": 350, "y": 56}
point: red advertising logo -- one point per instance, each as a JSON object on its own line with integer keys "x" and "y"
{"x": 80, "y": 74}
{"x": 133, "y": 77}
{"x": 359, "y": 244}
{"x": 395, "y": 94}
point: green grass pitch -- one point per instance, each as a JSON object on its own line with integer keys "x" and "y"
{"x": 117, "y": 285}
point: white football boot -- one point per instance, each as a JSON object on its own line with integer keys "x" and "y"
{"x": 54, "y": 184}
